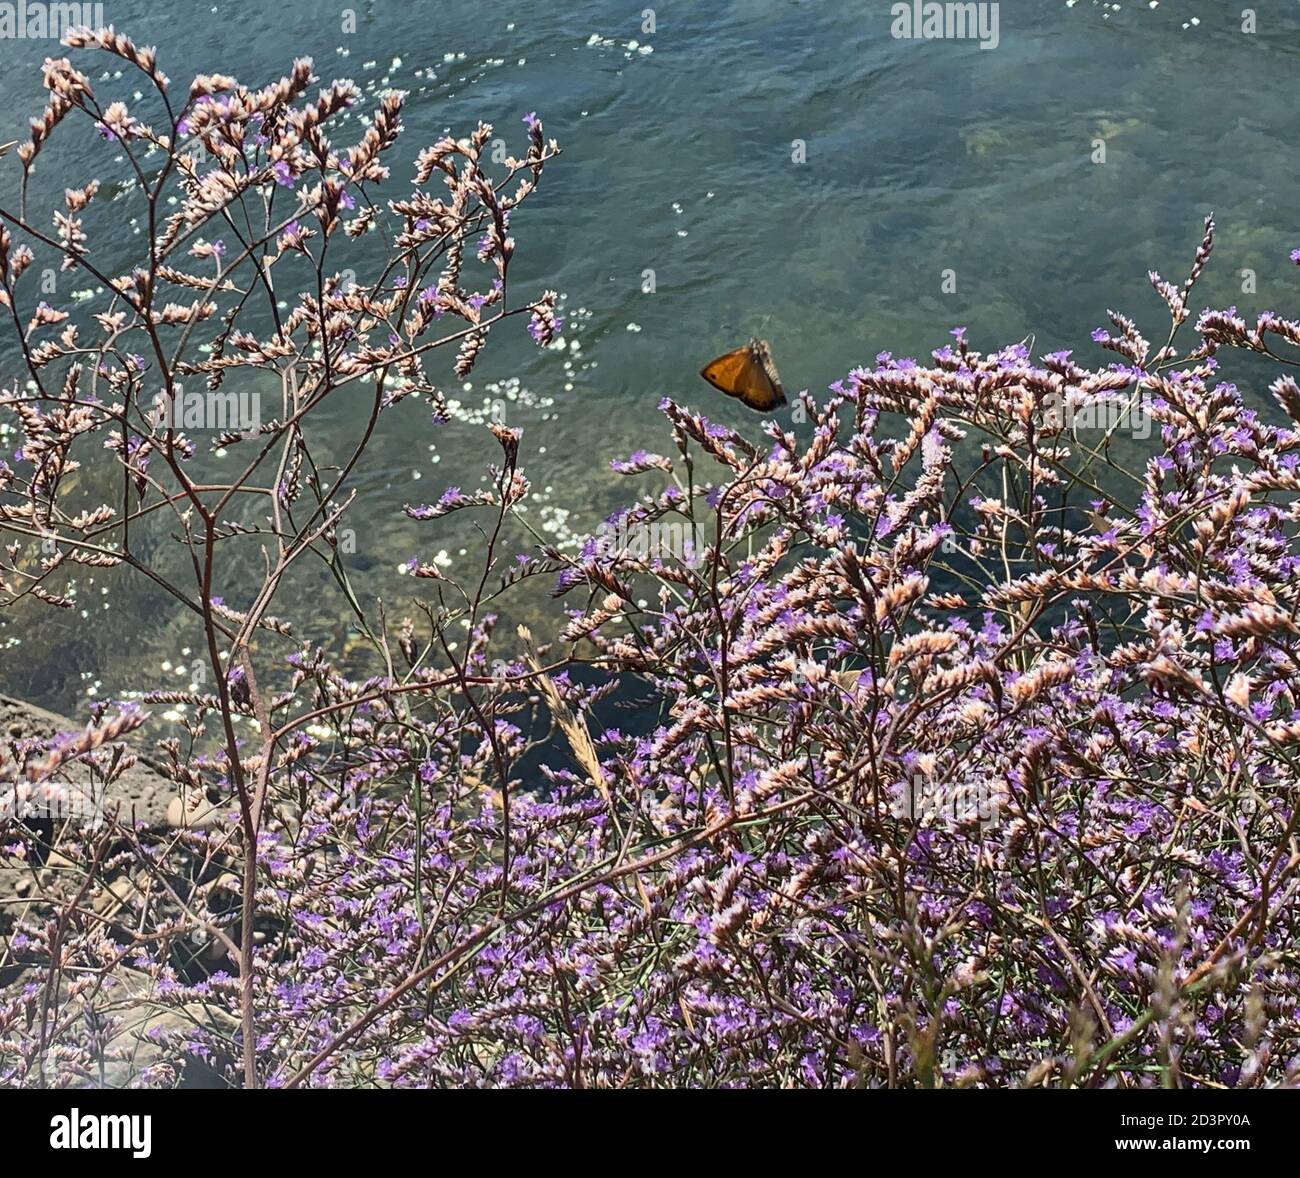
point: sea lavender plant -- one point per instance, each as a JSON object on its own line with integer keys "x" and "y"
{"x": 264, "y": 204}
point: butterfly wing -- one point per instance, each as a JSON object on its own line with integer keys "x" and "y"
{"x": 749, "y": 375}
{"x": 764, "y": 353}
{"x": 729, "y": 372}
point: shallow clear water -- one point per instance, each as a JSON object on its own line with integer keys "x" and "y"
{"x": 921, "y": 157}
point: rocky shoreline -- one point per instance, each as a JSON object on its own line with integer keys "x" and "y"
{"x": 141, "y": 794}
{"x": 29, "y": 887}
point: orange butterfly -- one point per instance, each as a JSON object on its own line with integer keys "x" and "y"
{"x": 748, "y": 373}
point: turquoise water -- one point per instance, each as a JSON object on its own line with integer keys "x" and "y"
{"x": 920, "y": 158}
